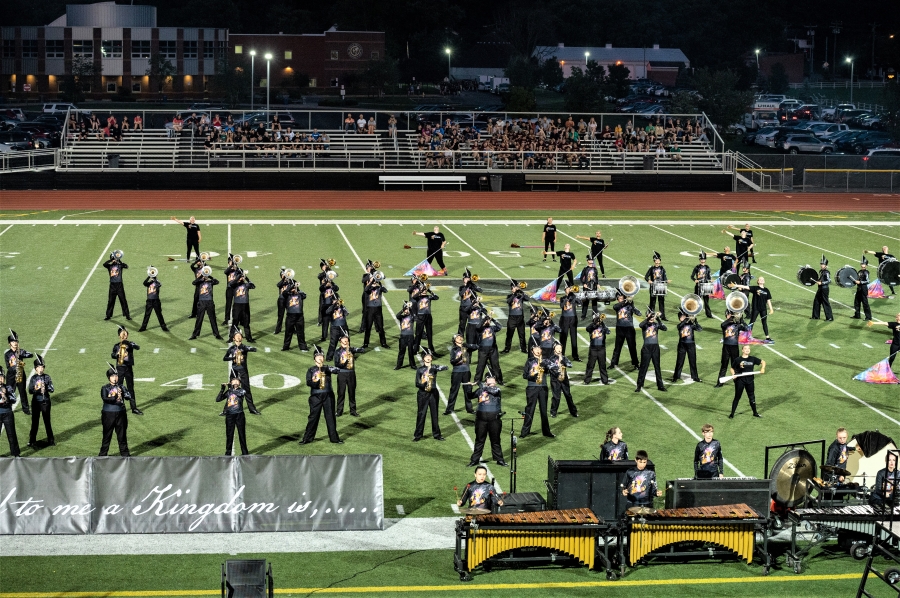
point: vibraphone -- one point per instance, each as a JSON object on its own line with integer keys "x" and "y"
{"x": 554, "y": 536}
{"x": 853, "y": 526}
{"x": 729, "y": 526}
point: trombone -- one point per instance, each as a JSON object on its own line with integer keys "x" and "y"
{"x": 376, "y": 264}
{"x": 523, "y": 285}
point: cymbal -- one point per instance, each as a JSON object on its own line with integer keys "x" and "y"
{"x": 834, "y": 469}
{"x": 789, "y": 476}
{"x": 634, "y": 511}
{"x": 474, "y": 511}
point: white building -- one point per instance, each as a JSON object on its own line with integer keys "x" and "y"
{"x": 654, "y": 63}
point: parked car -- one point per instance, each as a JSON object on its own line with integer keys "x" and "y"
{"x": 846, "y": 115}
{"x": 42, "y": 137}
{"x": 254, "y": 118}
{"x": 882, "y": 152}
{"x": 650, "y": 111}
{"x": 826, "y": 130}
{"x": 871, "y": 140}
{"x": 749, "y": 138}
{"x": 205, "y": 106}
{"x": 763, "y": 136}
{"x": 18, "y": 138}
{"x": 795, "y": 144}
{"x": 14, "y": 114}
{"x": 831, "y": 112}
{"x": 58, "y": 108}
{"x": 49, "y": 119}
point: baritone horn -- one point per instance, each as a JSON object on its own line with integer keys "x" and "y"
{"x": 379, "y": 275}
{"x": 152, "y": 272}
{"x": 574, "y": 288}
{"x": 204, "y": 257}
{"x": 736, "y": 302}
{"x": 117, "y": 255}
{"x": 206, "y": 271}
{"x": 331, "y": 274}
{"x": 692, "y": 304}
{"x": 629, "y": 285}
{"x": 237, "y": 260}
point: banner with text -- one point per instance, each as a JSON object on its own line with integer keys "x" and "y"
{"x": 102, "y": 495}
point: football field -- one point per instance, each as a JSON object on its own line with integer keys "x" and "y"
{"x": 53, "y": 293}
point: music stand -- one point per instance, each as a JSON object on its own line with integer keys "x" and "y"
{"x": 513, "y": 454}
{"x": 247, "y": 579}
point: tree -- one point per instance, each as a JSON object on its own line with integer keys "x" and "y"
{"x": 584, "y": 89}
{"x": 617, "y": 80}
{"x": 81, "y": 70}
{"x": 682, "y": 102}
{"x": 551, "y": 72}
{"x": 160, "y": 71}
{"x": 520, "y": 99}
{"x": 778, "y": 79}
{"x": 719, "y": 98}
{"x": 890, "y": 96}
{"x": 379, "y": 74}
{"x": 230, "y": 83}
{"x": 523, "y": 71}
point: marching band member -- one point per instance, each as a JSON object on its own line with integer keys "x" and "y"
{"x": 861, "y": 297}
{"x": 153, "y": 302}
{"x": 321, "y": 397}
{"x": 113, "y": 417}
{"x": 838, "y": 454}
{"x": 205, "y": 304}
{"x": 115, "y": 266}
{"x": 547, "y": 331}
{"x": 655, "y": 274}
{"x": 345, "y": 361}
{"x": 535, "y": 372}
{"x": 196, "y": 267}
{"x": 479, "y": 493}
{"x": 323, "y": 277}
{"x": 427, "y": 397}
{"x": 650, "y": 351}
{"x": 883, "y": 256}
{"x": 328, "y": 297}
{"x": 424, "y": 321}
{"x": 7, "y": 419}
{"x": 731, "y": 330}
{"x": 474, "y": 320}
{"x": 687, "y": 326}
{"x": 821, "y": 299}
{"x": 640, "y": 485}
{"x": 237, "y": 355}
{"x": 589, "y": 283}
{"x": 373, "y": 315}
{"x": 15, "y": 368}
{"x": 231, "y": 276}
{"x": 488, "y": 422}
{"x": 241, "y": 313}
{"x": 708, "y": 460}
{"x": 559, "y": 383}
{"x": 625, "y": 311}
{"x": 597, "y": 333}
{"x": 337, "y": 314}
{"x": 461, "y": 374}
{"x": 40, "y": 386}
{"x": 233, "y": 396}
{"x": 702, "y": 274}
{"x": 367, "y": 277}
{"x": 515, "y": 322}
{"x": 886, "y": 482}
{"x": 283, "y": 284}
{"x": 568, "y": 321}
{"x": 487, "y": 350}
{"x": 407, "y": 339}
{"x": 123, "y": 354}
{"x": 614, "y": 448}
{"x": 895, "y": 340}
{"x": 467, "y": 294}
{"x": 295, "y": 324}
{"x": 744, "y": 365}
{"x": 760, "y": 303}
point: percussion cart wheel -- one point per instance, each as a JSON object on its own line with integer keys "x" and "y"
{"x": 464, "y": 576}
{"x": 892, "y": 576}
{"x": 860, "y": 550}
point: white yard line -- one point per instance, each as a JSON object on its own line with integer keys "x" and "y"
{"x": 758, "y": 214}
{"x": 6, "y": 229}
{"x": 874, "y": 233}
{"x": 826, "y": 251}
{"x": 80, "y": 213}
{"x": 587, "y": 223}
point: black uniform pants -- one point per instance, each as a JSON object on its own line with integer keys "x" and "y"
{"x": 195, "y": 245}
{"x": 535, "y": 396}
{"x": 624, "y": 334}
{"x": 196, "y": 301}
{"x": 515, "y": 324}
{"x": 241, "y": 317}
{"x": 374, "y": 317}
{"x": 568, "y": 276}
{"x": 439, "y": 257}
{"x": 294, "y": 325}
{"x": 487, "y": 425}
{"x": 569, "y": 328}
{"x": 861, "y": 299}
{"x": 318, "y": 402}
{"x": 244, "y": 377}
{"x": 208, "y": 309}
{"x": 729, "y": 353}
{"x": 895, "y": 347}
{"x": 239, "y": 421}
{"x": 21, "y": 391}
{"x": 650, "y": 353}
{"x": 763, "y": 315}
{"x": 662, "y": 303}
{"x": 424, "y": 329}
{"x": 346, "y": 385}
{"x": 598, "y": 261}
{"x": 126, "y": 376}
{"x": 472, "y": 335}
{"x": 688, "y": 350}
{"x": 117, "y": 290}
{"x": 560, "y": 388}
{"x": 335, "y": 338}
{"x": 596, "y": 355}
{"x": 486, "y": 355}
{"x": 595, "y": 303}
{"x": 463, "y": 318}
{"x": 114, "y": 421}
{"x": 407, "y": 345}
{"x": 153, "y": 305}
{"x": 550, "y": 246}
{"x": 229, "y": 301}
{"x": 280, "y": 317}
{"x": 8, "y": 422}
{"x": 427, "y": 401}
{"x": 324, "y": 319}
{"x": 821, "y": 302}
{"x": 456, "y": 382}
{"x": 362, "y": 310}
{"x": 40, "y": 409}
{"x": 740, "y": 385}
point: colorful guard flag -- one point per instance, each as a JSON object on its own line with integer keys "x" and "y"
{"x": 875, "y": 290}
{"x": 746, "y": 338}
{"x": 718, "y": 290}
{"x": 880, "y": 373}
{"x": 547, "y": 293}
{"x": 422, "y": 268}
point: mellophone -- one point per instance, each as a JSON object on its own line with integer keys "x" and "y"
{"x": 730, "y": 526}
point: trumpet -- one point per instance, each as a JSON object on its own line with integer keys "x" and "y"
{"x": 474, "y": 278}
{"x": 423, "y": 277}
{"x": 152, "y": 272}
{"x": 376, "y": 264}
{"x": 204, "y": 257}
{"x": 117, "y": 255}
{"x": 379, "y": 275}
{"x": 331, "y": 274}
{"x": 523, "y": 285}
{"x": 340, "y": 302}
{"x": 574, "y": 289}
{"x": 237, "y": 260}
{"x": 736, "y": 302}
{"x": 629, "y": 285}
{"x": 692, "y": 304}
{"x": 600, "y": 317}
{"x": 331, "y": 263}
{"x": 289, "y": 273}
{"x": 206, "y": 271}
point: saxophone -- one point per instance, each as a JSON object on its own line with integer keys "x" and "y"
{"x": 123, "y": 353}
{"x": 430, "y": 382}
{"x": 539, "y": 379}
{"x": 321, "y": 379}
{"x": 562, "y": 372}
{"x": 20, "y": 368}
{"x": 238, "y": 357}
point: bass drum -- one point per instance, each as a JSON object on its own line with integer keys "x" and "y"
{"x": 846, "y": 277}
{"x": 730, "y": 279}
{"x": 807, "y": 276}
{"x": 889, "y": 272}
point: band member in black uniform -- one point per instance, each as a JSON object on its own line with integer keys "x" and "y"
{"x": 423, "y": 319}
{"x": 345, "y": 361}
{"x": 534, "y": 324}
{"x": 293, "y": 305}
{"x": 373, "y": 315}
{"x": 193, "y": 236}
{"x": 237, "y": 355}
{"x": 460, "y": 358}
{"x": 242, "y": 287}
{"x": 7, "y": 419}
{"x": 745, "y": 274}
{"x": 559, "y": 383}
{"x": 436, "y": 244}
{"x": 205, "y": 304}
{"x": 416, "y": 287}
{"x": 488, "y": 353}
{"x": 367, "y": 277}
{"x": 283, "y": 283}
{"x": 40, "y": 386}
{"x": 744, "y": 365}
{"x": 153, "y": 302}
{"x": 337, "y": 314}
{"x": 700, "y": 274}
{"x": 650, "y": 328}
{"x": 233, "y": 396}
{"x": 886, "y": 482}
{"x": 328, "y": 296}
{"x": 838, "y": 454}
{"x": 731, "y": 331}
{"x": 196, "y": 267}
{"x": 567, "y": 263}
{"x": 113, "y": 417}
{"x": 535, "y": 372}
{"x": 427, "y": 397}
{"x": 15, "y": 368}
{"x": 547, "y": 331}
{"x": 614, "y": 448}
{"x": 655, "y": 274}
{"x": 883, "y": 256}
{"x": 861, "y": 298}
{"x": 589, "y": 282}
{"x": 708, "y": 460}
{"x": 474, "y": 320}
{"x": 821, "y": 299}
{"x": 625, "y": 311}
{"x": 321, "y": 397}
{"x": 323, "y": 277}
{"x": 743, "y": 244}
{"x": 727, "y": 261}
{"x": 488, "y": 422}
{"x": 549, "y": 239}
{"x": 639, "y": 486}
{"x": 687, "y": 326}
{"x": 123, "y": 354}
{"x": 115, "y": 266}
{"x": 231, "y": 276}
{"x": 479, "y": 493}
{"x": 467, "y": 294}
{"x": 760, "y": 303}
{"x": 598, "y": 245}
{"x": 407, "y": 338}
{"x": 597, "y": 335}
{"x": 515, "y": 321}
{"x": 895, "y": 340}
{"x": 568, "y": 321}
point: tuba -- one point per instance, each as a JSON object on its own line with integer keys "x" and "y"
{"x": 629, "y": 285}
{"x": 692, "y": 304}
{"x": 206, "y": 271}
{"x": 736, "y": 302}
{"x": 152, "y": 272}
{"x": 379, "y": 275}
{"x": 117, "y": 255}
{"x": 237, "y": 260}
{"x": 331, "y": 275}
{"x": 204, "y": 257}
{"x": 289, "y": 273}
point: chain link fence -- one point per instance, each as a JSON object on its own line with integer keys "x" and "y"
{"x": 829, "y": 172}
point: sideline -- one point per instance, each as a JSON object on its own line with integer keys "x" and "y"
{"x": 483, "y": 221}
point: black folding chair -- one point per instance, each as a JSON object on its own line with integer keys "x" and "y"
{"x": 247, "y": 579}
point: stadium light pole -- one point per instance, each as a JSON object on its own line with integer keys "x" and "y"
{"x": 586, "y": 54}
{"x": 850, "y": 60}
{"x": 448, "y": 51}
{"x": 252, "y": 61}
{"x": 268, "y": 81}
{"x": 757, "y": 60}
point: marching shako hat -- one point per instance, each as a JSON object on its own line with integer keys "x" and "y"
{"x": 13, "y": 337}
{"x": 231, "y": 333}
{"x": 513, "y": 282}
{"x": 112, "y": 370}
{"x": 38, "y": 360}
{"x": 317, "y": 350}
{"x": 864, "y": 261}
{"x": 656, "y": 255}
{"x": 702, "y": 255}
{"x": 824, "y": 261}
{"x": 120, "y": 329}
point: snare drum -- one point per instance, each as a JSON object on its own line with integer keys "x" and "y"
{"x": 580, "y": 296}
{"x": 591, "y": 294}
{"x": 658, "y": 288}
{"x": 889, "y": 272}
{"x": 807, "y": 276}
{"x": 707, "y": 288}
{"x": 846, "y": 277}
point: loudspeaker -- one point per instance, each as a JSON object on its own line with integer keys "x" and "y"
{"x": 520, "y": 503}
{"x": 595, "y": 485}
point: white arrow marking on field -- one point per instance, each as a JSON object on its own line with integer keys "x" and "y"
{"x": 145, "y": 379}
{"x": 867, "y": 345}
{"x": 833, "y": 345}
{"x": 801, "y": 346}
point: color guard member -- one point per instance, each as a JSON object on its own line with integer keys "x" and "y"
{"x": 883, "y": 256}
{"x": 549, "y": 239}
{"x": 744, "y": 365}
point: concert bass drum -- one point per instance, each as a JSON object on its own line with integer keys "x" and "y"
{"x": 846, "y": 277}
{"x": 807, "y": 276}
{"x": 889, "y": 272}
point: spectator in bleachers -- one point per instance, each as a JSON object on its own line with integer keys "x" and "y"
{"x": 177, "y": 123}
{"x": 392, "y": 126}
{"x": 138, "y": 123}
{"x": 361, "y": 124}
{"x": 124, "y": 124}
{"x": 675, "y": 153}
{"x": 276, "y": 123}
{"x": 349, "y": 123}
{"x": 371, "y": 125}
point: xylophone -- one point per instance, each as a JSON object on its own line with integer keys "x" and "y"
{"x": 730, "y": 526}
{"x": 573, "y": 532}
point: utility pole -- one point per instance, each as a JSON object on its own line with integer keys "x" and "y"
{"x": 873, "y": 49}
{"x": 835, "y": 28}
{"x": 811, "y": 31}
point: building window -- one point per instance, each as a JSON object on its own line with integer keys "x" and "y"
{"x": 375, "y": 56}
{"x": 55, "y": 48}
{"x": 168, "y": 49}
{"x": 111, "y": 48}
{"x": 239, "y": 49}
{"x": 29, "y": 48}
{"x": 335, "y": 55}
{"x": 312, "y": 81}
{"x": 209, "y": 49}
{"x": 111, "y": 87}
{"x": 190, "y": 49}
{"x": 136, "y": 87}
{"x": 140, "y": 48}
{"x": 83, "y": 48}
{"x": 288, "y": 54}
{"x": 9, "y": 48}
